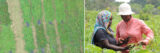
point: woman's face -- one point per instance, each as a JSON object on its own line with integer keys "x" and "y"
{"x": 110, "y": 22}
{"x": 126, "y": 18}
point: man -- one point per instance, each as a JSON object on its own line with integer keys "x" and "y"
{"x": 131, "y": 27}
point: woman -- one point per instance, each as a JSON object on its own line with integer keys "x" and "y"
{"x": 134, "y": 28}
{"x": 103, "y": 34}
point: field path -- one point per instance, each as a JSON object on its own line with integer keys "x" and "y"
{"x": 45, "y": 28}
{"x": 57, "y": 37}
{"x": 58, "y": 41}
{"x": 17, "y": 24}
{"x": 33, "y": 30}
{"x": 81, "y": 47}
{"x": 34, "y": 38}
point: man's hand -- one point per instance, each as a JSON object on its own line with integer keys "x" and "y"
{"x": 143, "y": 42}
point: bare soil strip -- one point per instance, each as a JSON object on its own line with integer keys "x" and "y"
{"x": 81, "y": 47}
{"x": 58, "y": 37}
{"x": 17, "y": 24}
{"x": 33, "y": 30}
{"x": 45, "y": 28}
{"x": 34, "y": 38}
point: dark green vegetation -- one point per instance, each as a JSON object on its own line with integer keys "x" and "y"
{"x": 7, "y": 43}
{"x": 142, "y": 7}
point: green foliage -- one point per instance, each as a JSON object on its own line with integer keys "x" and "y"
{"x": 4, "y": 15}
{"x": 36, "y": 10}
{"x": 92, "y": 49}
{"x": 27, "y": 30}
{"x": 144, "y": 16}
{"x": 7, "y": 42}
{"x": 137, "y": 9}
{"x": 153, "y": 23}
{"x": 71, "y": 26}
{"x": 41, "y": 40}
{"x": 158, "y": 7}
{"x": 49, "y": 17}
{"x": 146, "y": 12}
{"x": 136, "y": 5}
{"x": 142, "y": 51}
{"x": 26, "y": 10}
{"x": 28, "y": 37}
{"x": 69, "y": 16}
{"x": 148, "y": 8}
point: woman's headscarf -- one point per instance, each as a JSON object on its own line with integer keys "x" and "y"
{"x": 102, "y": 21}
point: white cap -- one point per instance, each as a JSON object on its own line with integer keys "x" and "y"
{"x": 125, "y": 9}
{"x": 126, "y": 1}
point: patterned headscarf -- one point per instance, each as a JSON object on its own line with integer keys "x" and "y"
{"x": 102, "y": 20}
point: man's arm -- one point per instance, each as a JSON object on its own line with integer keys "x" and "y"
{"x": 148, "y": 32}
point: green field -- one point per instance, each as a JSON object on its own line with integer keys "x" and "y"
{"x": 7, "y": 43}
{"x": 69, "y": 15}
{"x": 153, "y": 23}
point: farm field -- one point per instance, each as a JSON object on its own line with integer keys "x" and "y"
{"x": 153, "y": 23}
{"x": 41, "y": 26}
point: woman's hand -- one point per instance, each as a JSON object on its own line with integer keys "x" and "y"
{"x": 120, "y": 40}
{"x": 123, "y": 41}
{"x": 129, "y": 47}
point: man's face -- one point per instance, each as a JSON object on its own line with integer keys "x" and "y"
{"x": 126, "y": 18}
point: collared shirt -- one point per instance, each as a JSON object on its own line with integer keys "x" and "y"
{"x": 134, "y": 28}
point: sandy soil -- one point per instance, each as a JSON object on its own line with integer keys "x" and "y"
{"x": 45, "y": 29}
{"x": 17, "y": 24}
{"x": 58, "y": 37}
